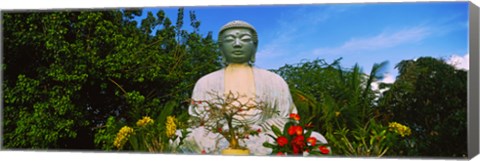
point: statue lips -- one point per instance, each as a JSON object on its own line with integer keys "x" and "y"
{"x": 237, "y": 52}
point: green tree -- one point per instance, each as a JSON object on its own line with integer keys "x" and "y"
{"x": 331, "y": 96}
{"x": 66, "y": 72}
{"x": 430, "y": 97}
{"x": 340, "y": 104}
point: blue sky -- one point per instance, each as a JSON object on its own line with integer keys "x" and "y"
{"x": 359, "y": 33}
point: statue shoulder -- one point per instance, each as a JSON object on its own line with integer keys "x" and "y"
{"x": 207, "y": 83}
{"x": 211, "y": 77}
{"x": 270, "y": 75}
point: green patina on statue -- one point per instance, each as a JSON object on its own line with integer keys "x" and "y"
{"x": 246, "y": 40}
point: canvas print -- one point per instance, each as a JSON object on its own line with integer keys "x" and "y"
{"x": 316, "y": 80}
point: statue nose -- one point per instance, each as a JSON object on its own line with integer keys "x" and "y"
{"x": 236, "y": 43}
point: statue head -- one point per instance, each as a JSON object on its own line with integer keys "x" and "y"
{"x": 238, "y": 42}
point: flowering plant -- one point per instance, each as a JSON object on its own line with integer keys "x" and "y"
{"x": 228, "y": 116}
{"x": 372, "y": 139}
{"x": 146, "y": 136}
{"x": 400, "y": 129}
{"x": 295, "y": 139}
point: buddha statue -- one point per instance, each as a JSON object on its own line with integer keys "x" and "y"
{"x": 238, "y": 42}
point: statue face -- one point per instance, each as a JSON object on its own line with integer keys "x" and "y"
{"x": 237, "y": 45}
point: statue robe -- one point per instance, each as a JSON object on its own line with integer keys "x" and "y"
{"x": 269, "y": 88}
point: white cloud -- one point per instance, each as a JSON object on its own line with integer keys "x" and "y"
{"x": 380, "y": 41}
{"x": 387, "y": 78}
{"x": 459, "y": 62}
{"x": 286, "y": 33}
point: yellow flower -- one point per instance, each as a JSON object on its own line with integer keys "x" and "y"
{"x": 170, "y": 126}
{"x": 144, "y": 121}
{"x": 400, "y": 129}
{"x": 337, "y": 114}
{"x": 122, "y": 136}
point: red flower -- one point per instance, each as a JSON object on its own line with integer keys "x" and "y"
{"x": 204, "y": 152}
{"x": 324, "y": 149}
{"x": 298, "y": 143}
{"x": 280, "y": 154}
{"x": 259, "y": 130}
{"x": 312, "y": 141}
{"x": 295, "y": 130}
{"x": 220, "y": 129}
{"x": 196, "y": 102}
{"x": 291, "y": 130}
{"x": 299, "y": 130}
{"x": 282, "y": 141}
{"x": 296, "y": 149}
{"x": 295, "y": 116}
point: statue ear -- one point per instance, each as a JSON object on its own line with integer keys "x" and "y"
{"x": 224, "y": 59}
{"x": 252, "y": 59}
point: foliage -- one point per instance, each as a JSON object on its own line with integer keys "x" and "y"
{"x": 145, "y": 135}
{"x": 333, "y": 98}
{"x": 105, "y": 136}
{"x": 429, "y": 96}
{"x": 295, "y": 139}
{"x": 67, "y": 72}
{"x": 164, "y": 134}
{"x": 342, "y": 104}
{"x": 373, "y": 139}
{"x": 330, "y": 96}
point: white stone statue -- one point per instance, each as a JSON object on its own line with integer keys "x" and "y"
{"x": 238, "y": 43}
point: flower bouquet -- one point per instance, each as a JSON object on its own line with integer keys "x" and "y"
{"x": 295, "y": 139}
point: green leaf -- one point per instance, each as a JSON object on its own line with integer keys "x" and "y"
{"x": 287, "y": 125}
{"x": 276, "y": 131}
{"x": 273, "y": 137}
{"x": 268, "y": 145}
{"x": 309, "y": 132}
{"x": 167, "y": 110}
